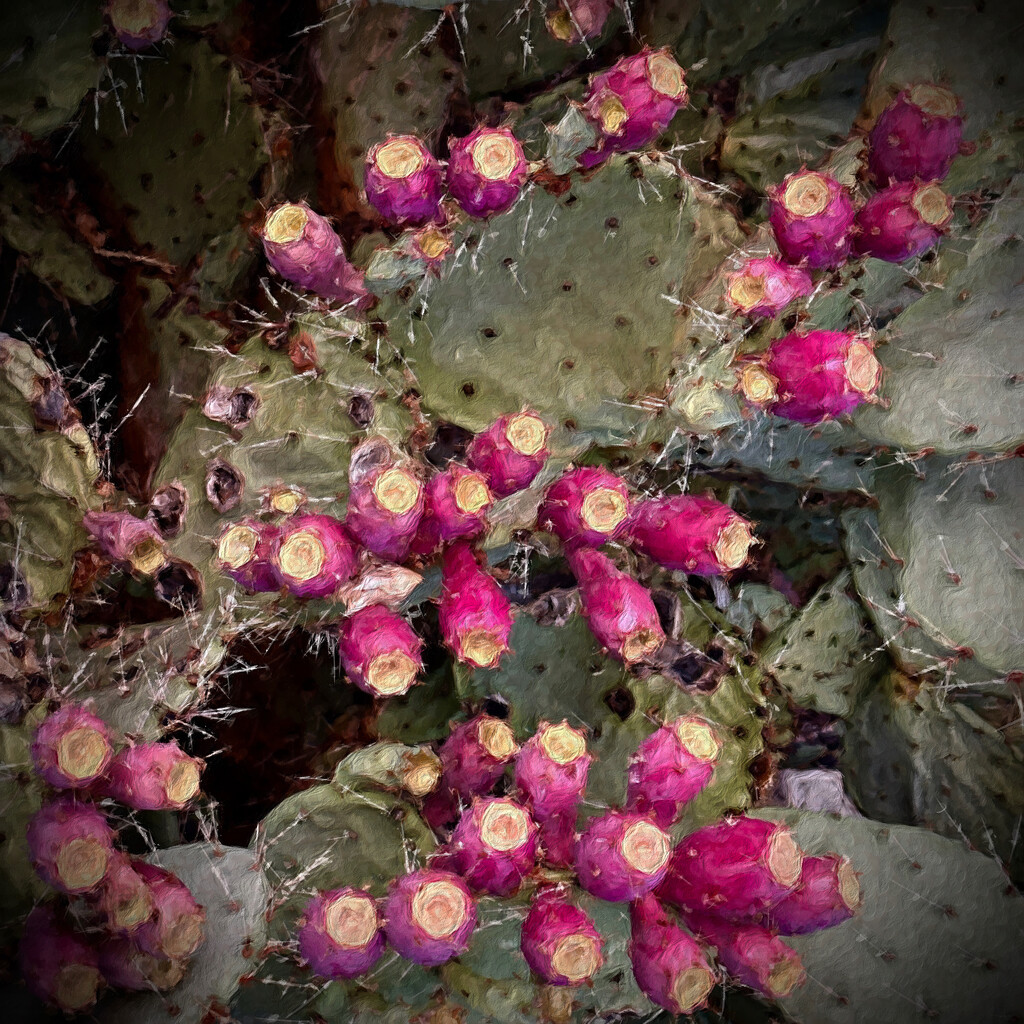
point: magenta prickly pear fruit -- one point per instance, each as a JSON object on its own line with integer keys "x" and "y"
{"x": 917, "y": 135}
{"x": 736, "y": 869}
{"x": 476, "y": 754}
{"x": 828, "y": 894}
{"x": 813, "y": 377}
{"x": 124, "y": 965}
{"x": 124, "y": 898}
{"x": 766, "y": 286}
{"x": 753, "y": 955}
{"x": 690, "y": 534}
{"x": 572, "y": 21}
{"x": 403, "y": 180}
{"x": 379, "y": 651}
{"x": 305, "y": 250}
{"x": 620, "y": 856}
{"x": 903, "y": 220}
{"x": 432, "y": 244}
{"x": 315, "y": 555}
{"x": 618, "y": 610}
{"x": 430, "y": 916}
{"x": 474, "y": 615}
{"x": 456, "y": 506}
{"x": 671, "y": 767}
{"x": 486, "y": 171}
{"x": 71, "y": 845}
{"x": 154, "y": 777}
{"x": 129, "y": 541}
{"x": 139, "y": 23}
{"x": 341, "y": 934}
{"x": 559, "y": 941}
{"x": 72, "y": 747}
{"x": 494, "y": 846}
{"x": 510, "y": 452}
{"x": 812, "y": 217}
{"x": 585, "y": 506}
{"x": 177, "y": 928}
{"x": 58, "y": 965}
{"x": 669, "y": 965}
{"x": 385, "y": 507}
{"x": 552, "y": 768}
{"x": 632, "y": 103}
{"x": 246, "y": 551}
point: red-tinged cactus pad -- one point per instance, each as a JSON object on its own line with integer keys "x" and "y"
{"x": 456, "y": 503}
{"x": 430, "y": 916}
{"x": 124, "y": 899}
{"x": 124, "y": 965}
{"x": 315, "y": 556}
{"x": 903, "y": 220}
{"x": 560, "y": 941}
{"x": 691, "y": 534}
{"x": 59, "y": 966}
{"x": 476, "y": 754}
{"x": 766, "y": 286}
{"x": 753, "y": 955}
{"x": 671, "y": 767}
{"x": 70, "y": 844}
{"x": 669, "y": 965}
{"x": 828, "y": 894}
{"x": 154, "y": 777}
{"x": 621, "y": 856}
{"x": 379, "y": 651}
{"x": 474, "y": 615}
{"x": 585, "y": 506}
{"x": 177, "y": 928}
{"x": 385, "y": 507}
{"x": 126, "y": 540}
{"x": 72, "y": 747}
{"x": 552, "y": 768}
{"x": 510, "y": 452}
{"x": 812, "y": 217}
{"x": 494, "y": 846}
{"x": 341, "y": 933}
{"x": 917, "y": 135}
{"x": 618, "y": 610}
{"x": 403, "y": 180}
{"x": 139, "y": 24}
{"x": 738, "y": 869}
{"x": 246, "y": 552}
{"x": 486, "y": 171}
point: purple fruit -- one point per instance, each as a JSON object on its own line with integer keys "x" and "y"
{"x": 430, "y": 916}
{"x": 476, "y": 754}
{"x": 559, "y": 941}
{"x": 70, "y": 844}
{"x": 765, "y": 287}
{"x": 456, "y": 506}
{"x": 341, "y": 934}
{"x": 403, "y": 180}
{"x": 552, "y": 768}
{"x": 494, "y": 846}
{"x": 315, "y": 555}
{"x": 917, "y": 135}
{"x": 486, "y": 171}
{"x": 124, "y": 965}
{"x": 827, "y": 895}
{"x": 177, "y": 928}
{"x": 903, "y": 220}
{"x": 572, "y": 21}
{"x": 72, "y": 747}
{"x": 154, "y": 777}
{"x": 123, "y": 898}
{"x": 474, "y": 615}
{"x": 510, "y": 452}
{"x": 385, "y": 506}
{"x": 139, "y": 23}
{"x": 620, "y": 856}
{"x": 58, "y": 966}
{"x": 246, "y": 551}
{"x": 812, "y": 217}
{"x": 379, "y": 651}
{"x": 135, "y": 543}
{"x": 589, "y": 506}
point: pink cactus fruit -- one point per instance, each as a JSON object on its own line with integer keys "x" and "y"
{"x": 246, "y": 552}
{"x": 403, "y": 180}
{"x": 828, "y": 894}
{"x": 486, "y": 171}
{"x": 430, "y": 916}
{"x": 58, "y": 965}
{"x": 70, "y": 844}
{"x": 903, "y": 220}
{"x": 753, "y": 955}
{"x": 813, "y": 377}
{"x": 315, "y": 555}
{"x": 306, "y": 251}
{"x": 72, "y": 747}
{"x": 589, "y": 506}
{"x": 917, "y": 135}
{"x": 139, "y": 23}
{"x": 736, "y": 869}
{"x": 177, "y": 928}
{"x": 620, "y": 856}
{"x": 385, "y": 507}
{"x": 126, "y": 540}
{"x": 123, "y": 898}
{"x": 379, "y": 651}
{"x": 669, "y": 965}
{"x": 510, "y": 452}
{"x": 154, "y": 777}
{"x": 433, "y": 244}
{"x": 572, "y": 21}
{"x": 618, "y": 610}
{"x": 124, "y": 965}
{"x": 671, "y": 767}
{"x": 691, "y": 534}
{"x": 475, "y": 755}
{"x": 494, "y": 846}
{"x": 474, "y": 615}
{"x": 456, "y": 503}
{"x": 812, "y": 217}
{"x": 633, "y": 102}
{"x": 560, "y": 941}
{"x": 765, "y": 286}
{"x": 341, "y": 934}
